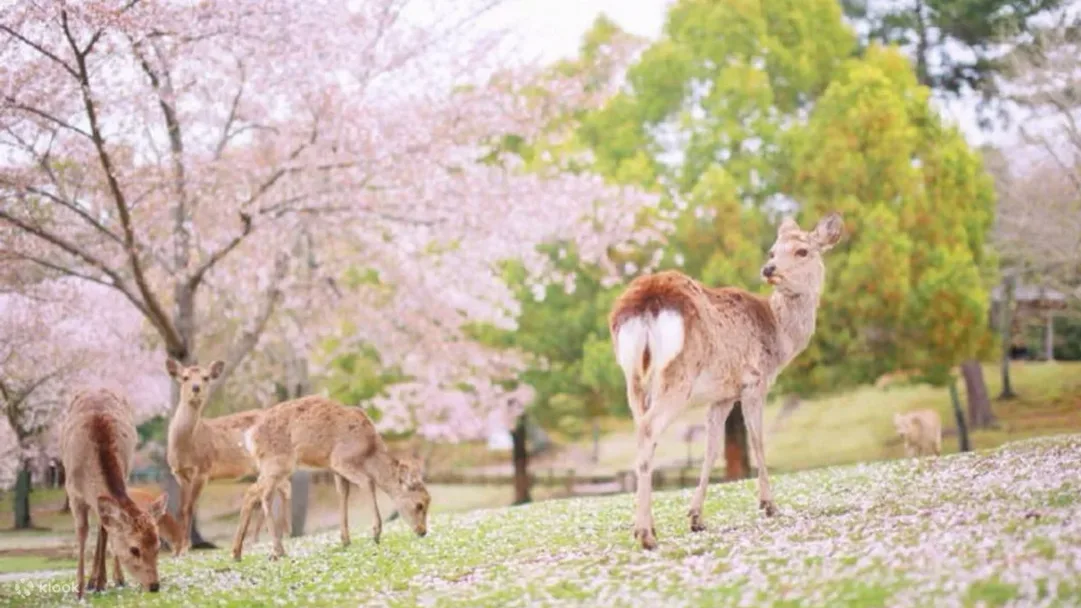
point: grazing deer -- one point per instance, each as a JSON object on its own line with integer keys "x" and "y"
{"x": 168, "y": 526}
{"x": 201, "y": 450}
{"x": 680, "y": 343}
{"x": 921, "y": 431}
{"x": 318, "y": 433}
{"x": 97, "y": 444}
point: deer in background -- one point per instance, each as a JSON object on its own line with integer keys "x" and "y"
{"x": 318, "y": 433}
{"x": 680, "y": 343}
{"x": 201, "y": 450}
{"x": 97, "y": 444}
{"x": 921, "y": 432}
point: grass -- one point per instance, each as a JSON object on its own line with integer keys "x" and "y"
{"x": 857, "y": 426}
{"x": 977, "y": 529}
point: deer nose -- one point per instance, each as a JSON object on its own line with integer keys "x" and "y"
{"x": 195, "y": 388}
{"x": 154, "y": 587}
{"x": 768, "y": 270}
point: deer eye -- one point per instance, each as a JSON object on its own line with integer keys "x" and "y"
{"x": 184, "y": 378}
{"x": 135, "y": 552}
{"x": 771, "y": 255}
{"x": 801, "y": 253}
{"x": 420, "y": 506}
{"x": 206, "y": 378}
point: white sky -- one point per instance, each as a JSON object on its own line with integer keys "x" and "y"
{"x": 551, "y": 29}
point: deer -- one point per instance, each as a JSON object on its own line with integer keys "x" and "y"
{"x": 97, "y": 445}
{"x": 315, "y": 432}
{"x": 681, "y": 343}
{"x": 168, "y": 526}
{"x": 921, "y": 431}
{"x": 201, "y": 450}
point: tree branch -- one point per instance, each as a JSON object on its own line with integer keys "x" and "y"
{"x": 197, "y": 276}
{"x": 247, "y": 339}
{"x": 44, "y": 51}
{"x": 157, "y": 314}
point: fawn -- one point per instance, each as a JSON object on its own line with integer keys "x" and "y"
{"x": 679, "y": 343}
{"x": 97, "y": 443}
{"x": 921, "y": 431}
{"x": 318, "y": 433}
{"x": 201, "y": 450}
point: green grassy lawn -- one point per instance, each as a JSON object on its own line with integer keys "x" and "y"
{"x": 857, "y": 426}
{"x": 989, "y": 528}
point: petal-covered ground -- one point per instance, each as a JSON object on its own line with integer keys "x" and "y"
{"x": 995, "y": 528}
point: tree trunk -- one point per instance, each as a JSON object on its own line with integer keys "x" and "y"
{"x": 301, "y": 482}
{"x": 737, "y": 460}
{"x": 21, "y": 497}
{"x": 596, "y": 441}
{"x": 959, "y": 414}
{"x": 1049, "y": 338}
{"x": 1005, "y": 327}
{"x": 979, "y": 404}
{"x": 521, "y": 463}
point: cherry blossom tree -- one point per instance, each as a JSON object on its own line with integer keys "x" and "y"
{"x": 57, "y": 337}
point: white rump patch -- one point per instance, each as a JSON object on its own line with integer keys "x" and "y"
{"x": 666, "y": 338}
{"x": 630, "y": 342}
{"x": 663, "y": 334}
{"x": 249, "y": 440}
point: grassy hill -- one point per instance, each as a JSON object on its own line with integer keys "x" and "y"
{"x": 983, "y": 528}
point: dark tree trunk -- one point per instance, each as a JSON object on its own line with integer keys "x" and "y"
{"x": 979, "y": 404}
{"x": 959, "y": 414}
{"x": 300, "y": 483}
{"x": 737, "y": 459}
{"x": 1005, "y": 328}
{"x": 521, "y": 463}
{"x": 596, "y": 441}
{"x": 21, "y": 497}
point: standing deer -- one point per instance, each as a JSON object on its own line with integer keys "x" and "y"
{"x": 681, "y": 343}
{"x": 921, "y": 432}
{"x": 317, "y": 433}
{"x": 97, "y": 444}
{"x": 201, "y": 450}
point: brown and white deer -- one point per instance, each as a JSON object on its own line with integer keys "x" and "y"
{"x": 97, "y": 443}
{"x": 318, "y": 433}
{"x": 681, "y": 343}
{"x": 202, "y": 450}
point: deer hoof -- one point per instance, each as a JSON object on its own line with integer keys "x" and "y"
{"x": 648, "y": 538}
{"x": 697, "y": 525}
{"x": 236, "y": 556}
{"x": 768, "y": 507}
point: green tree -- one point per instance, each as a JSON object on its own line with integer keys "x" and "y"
{"x": 956, "y": 45}
{"x": 911, "y": 290}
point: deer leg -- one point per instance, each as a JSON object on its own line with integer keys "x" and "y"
{"x": 341, "y": 484}
{"x": 278, "y": 477}
{"x": 186, "y": 482}
{"x": 118, "y": 573}
{"x": 97, "y": 569}
{"x": 251, "y": 496}
{"x": 81, "y": 511}
{"x": 752, "y": 403}
{"x": 377, "y": 520}
{"x": 285, "y": 491}
{"x": 718, "y": 413}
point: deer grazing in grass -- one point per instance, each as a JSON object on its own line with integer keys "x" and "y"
{"x": 202, "y": 450}
{"x": 97, "y": 444}
{"x": 921, "y": 431}
{"x": 680, "y": 343}
{"x": 318, "y": 433}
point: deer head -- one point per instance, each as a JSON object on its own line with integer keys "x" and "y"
{"x": 901, "y": 424}
{"x": 412, "y": 498}
{"x": 194, "y": 381}
{"x": 133, "y": 536}
{"x": 795, "y": 259}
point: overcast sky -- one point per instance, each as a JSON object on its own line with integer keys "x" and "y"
{"x": 551, "y": 29}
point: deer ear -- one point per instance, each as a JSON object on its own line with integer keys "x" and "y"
{"x": 787, "y": 226}
{"x": 172, "y": 366}
{"x": 158, "y": 508}
{"x": 216, "y": 368}
{"x": 829, "y": 231}
{"x": 109, "y": 510}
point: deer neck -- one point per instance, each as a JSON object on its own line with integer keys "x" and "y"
{"x": 795, "y": 314}
{"x": 184, "y": 422}
{"x": 383, "y": 469}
